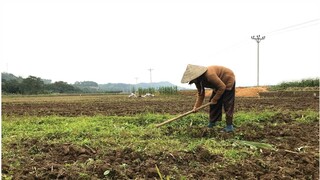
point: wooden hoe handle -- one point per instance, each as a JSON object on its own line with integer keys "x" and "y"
{"x": 182, "y": 115}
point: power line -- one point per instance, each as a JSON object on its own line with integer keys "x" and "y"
{"x": 234, "y": 45}
{"x": 271, "y": 33}
{"x": 295, "y": 27}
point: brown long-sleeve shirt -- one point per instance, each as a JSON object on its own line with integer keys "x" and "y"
{"x": 218, "y": 78}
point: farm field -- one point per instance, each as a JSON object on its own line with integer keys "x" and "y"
{"x": 114, "y": 137}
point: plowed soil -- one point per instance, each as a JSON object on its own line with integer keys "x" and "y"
{"x": 122, "y": 105}
{"x": 296, "y": 154}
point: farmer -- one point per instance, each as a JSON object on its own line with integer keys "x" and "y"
{"x": 222, "y": 81}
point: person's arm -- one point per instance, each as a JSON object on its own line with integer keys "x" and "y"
{"x": 220, "y": 87}
{"x": 200, "y": 96}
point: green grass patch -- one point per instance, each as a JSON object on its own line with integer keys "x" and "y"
{"x": 306, "y": 116}
{"x": 139, "y": 133}
{"x": 253, "y": 117}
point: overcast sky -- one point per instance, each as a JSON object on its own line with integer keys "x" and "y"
{"x": 118, "y": 41}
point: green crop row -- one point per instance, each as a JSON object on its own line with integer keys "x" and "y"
{"x": 166, "y": 90}
{"x": 301, "y": 83}
{"x": 169, "y": 90}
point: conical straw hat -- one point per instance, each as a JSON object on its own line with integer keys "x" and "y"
{"x": 192, "y": 72}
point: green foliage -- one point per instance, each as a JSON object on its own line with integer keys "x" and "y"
{"x": 142, "y": 91}
{"x": 301, "y": 83}
{"x": 10, "y": 86}
{"x": 138, "y": 133}
{"x": 133, "y": 89}
{"x": 256, "y": 145}
{"x": 32, "y": 85}
{"x": 35, "y": 85}
{"x": 159, "y": 173}
{"x": 87, "y": 86}
{"x": 306, "y": 116}
{"x": 168, "y": 90}
{"x": 61, "y": 87}
{"x": 9, "y": 77}
{"x": 251, "y": 117}
{"x": 165, "y": 90}
{"x": 111, "y": 131}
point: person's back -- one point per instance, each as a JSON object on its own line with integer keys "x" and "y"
{"x": 226, "y": 75}
{"x": 222, "y": 81}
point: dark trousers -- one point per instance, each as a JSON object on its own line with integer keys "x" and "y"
{"x": 227, "y": 101}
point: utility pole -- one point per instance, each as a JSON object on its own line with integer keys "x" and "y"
{"x": 135, "y": 86}
{"x": 7, "y": 71}
{"x": 150, "y": 75}
{"x": 258, "y": 39}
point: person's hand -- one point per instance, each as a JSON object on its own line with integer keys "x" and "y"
{"x": 194, "y": 110}
{"x": 213, "y": 102}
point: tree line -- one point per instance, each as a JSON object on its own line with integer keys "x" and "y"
{"x": 35, "y": 85}
{"x": 304, "y": 83}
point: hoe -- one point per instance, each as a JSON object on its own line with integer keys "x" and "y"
{"x": 182, "y": 115}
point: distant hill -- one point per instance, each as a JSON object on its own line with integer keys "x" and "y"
{"x": 128, "y": 87}
{"x": 91, "y": 86}
{"x": 8, "y": 77}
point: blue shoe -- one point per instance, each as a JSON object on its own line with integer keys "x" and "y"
{"x": 211, "y": 124}
{"x": 229, "y": 128}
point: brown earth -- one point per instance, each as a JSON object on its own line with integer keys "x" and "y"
{"x": 296, "y": 157}
{"x": 122, "y": 105}
{"x": 250, "y": 91}
{"x": 240, "y": 91}
{"x": 296, "y": 153}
